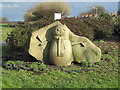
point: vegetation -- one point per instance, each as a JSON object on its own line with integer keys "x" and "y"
{"x": 100, "y": 11}
{"x": 18, "y": 73}
{"x": 94, "y": 10}
{"x": 104, "y": 16}
{"x": 20, "y": 70}
{"x": 4, "y": 29}
{"x": 117, "y": 25}
{"x": 46, "y": 10}
{"x": 90, "y": 28}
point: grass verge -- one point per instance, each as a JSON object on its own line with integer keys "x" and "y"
{"x": 4, "y": 29}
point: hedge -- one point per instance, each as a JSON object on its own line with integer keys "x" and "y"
{"x": 90, "y": 28}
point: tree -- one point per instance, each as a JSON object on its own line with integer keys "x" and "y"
{"x": 104, "y": 16}
{"x": 102, "y": 13}
{"x": 118, "y": 12}
{"x": 95, "y": 10}
{"x": 3, "y": 19}
{"x": 46, "y": 10}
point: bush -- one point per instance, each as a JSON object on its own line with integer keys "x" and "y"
{"x": 104, "y": 16}
{"x": 18, "y": 39}
{"x": 101, "y": 28}
{"x": 90, "y": 28}
{"x": 117, "y": 30}
{"x": 78, "y": 27}
{"x": 117, "y": 25}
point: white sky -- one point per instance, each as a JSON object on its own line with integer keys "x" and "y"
{"x": 15, "y": 10}
{"x": 60, "y": 0}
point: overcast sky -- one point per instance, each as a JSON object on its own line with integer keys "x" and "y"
{"x": 14, "y": 10}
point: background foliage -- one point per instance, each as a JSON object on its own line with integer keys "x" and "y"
{"x": 117, "y": 25}
{"x": 95, "y": 9}
{"x": 91, "y": 28}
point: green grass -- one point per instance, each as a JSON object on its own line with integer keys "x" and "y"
{"x": 59, "y": 79}
{"x": 103, "y": 74}
{"x": 4, "y": 29}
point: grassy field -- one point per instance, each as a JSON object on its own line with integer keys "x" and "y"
{"x": 4, "y": 29}
{"x": 20, "y": 72}
{"x": 103, "y": 74}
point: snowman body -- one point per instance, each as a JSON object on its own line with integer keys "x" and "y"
{"x": 60, "y": 49}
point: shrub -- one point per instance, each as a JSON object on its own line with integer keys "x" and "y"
{"x": 117, "y": 25}
{"x": 104, "y": 16}
{"x": 90, "y": 28}
{"x": 101, "y": 28}
{"x": 17, "y": 38}
{"x": 117, "y": 30}
{"x": 78, "y": 27}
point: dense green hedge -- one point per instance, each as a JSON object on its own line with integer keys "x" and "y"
{"x": 90, "y": 28}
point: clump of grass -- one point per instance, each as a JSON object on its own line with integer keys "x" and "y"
{"x": 36, "y": 66}
{"x": 101, "y": 41}
{"x": 86, "y": 64}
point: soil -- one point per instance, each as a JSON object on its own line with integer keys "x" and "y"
{"x": 110, "y": 43}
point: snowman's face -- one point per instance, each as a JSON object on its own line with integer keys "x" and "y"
{"x": 60, "y": 31}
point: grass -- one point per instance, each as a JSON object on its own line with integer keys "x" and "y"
{"x": 103, "y": 74}
{"x": 4, "y": 29}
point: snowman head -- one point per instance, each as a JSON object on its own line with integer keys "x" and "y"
{"x": 60, "y": 30}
